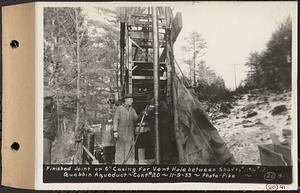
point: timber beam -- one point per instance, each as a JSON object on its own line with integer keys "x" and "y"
{"x": 175, "y": 30}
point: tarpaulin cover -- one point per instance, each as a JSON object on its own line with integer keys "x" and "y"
{"x": 198, "y": 141}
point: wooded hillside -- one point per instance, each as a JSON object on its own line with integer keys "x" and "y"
{"x": 272, "y": 67}
{"x": 80, "y": 65}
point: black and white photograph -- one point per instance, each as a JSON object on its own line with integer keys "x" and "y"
{"x": 184, "y": 84}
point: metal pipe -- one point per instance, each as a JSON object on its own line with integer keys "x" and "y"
{"x": 122, "y": 53}
{"x": 156, "y": 81}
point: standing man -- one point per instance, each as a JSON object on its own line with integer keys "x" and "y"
{"x": 50, "y": 126}
{"x": 124, "y": 128}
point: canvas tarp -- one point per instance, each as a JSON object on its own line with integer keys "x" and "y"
{"x": 198, "y": 141}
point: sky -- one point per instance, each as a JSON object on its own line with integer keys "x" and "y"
{"x": 232, "y": 31}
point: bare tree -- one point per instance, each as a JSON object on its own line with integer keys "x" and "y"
{"x": 196, "y": 46}
{"x": 78, "y": 71}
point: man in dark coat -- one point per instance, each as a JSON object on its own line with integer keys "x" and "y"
{"x": 50, "y": 125}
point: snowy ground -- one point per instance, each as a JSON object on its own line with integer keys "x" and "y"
{"x": 243, "y": 133}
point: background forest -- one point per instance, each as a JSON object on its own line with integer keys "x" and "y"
{"x": 84, "y": 51}
{"x": 80, "y": 62}
{"x": 272, "y": 67}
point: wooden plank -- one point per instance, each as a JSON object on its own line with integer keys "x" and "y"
{"x": 94, "y": 160}
{"x": 146, "y": 16}
{"x": 145, "y": 35}
{"x": 175, "y": 30}
{"x": 168, "y": 15}
{"x": 139, "y": 23}
{"x": 146, "y": 78}
{"x": 147, "y": 63}
{"x": 149, "y": 45}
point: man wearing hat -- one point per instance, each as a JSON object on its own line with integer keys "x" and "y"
{"x": 123, "y": 128}
{"x": 50, "y": 124}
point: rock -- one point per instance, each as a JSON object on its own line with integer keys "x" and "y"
{"x": 207, "y": 109}
{"x": 254, "y": 91}
{"x": 282, "y": 98}
{"x": 259, "y": 123}
{"x": 278, "y": 110}
{"x": 265, "y": 128}
{"x": 221, "y": 116}
{"x": 235, "y": 104}
{"x": 249, "y": 125}
{"x": 262, "y": 100}
{"x": 252, "y": 96}
{"x": 225, "y": 108}
{"x": 286, "y": 132}
{"x": 251, "y": 114}
{"x": 265, "y": 99}
{"x": 248, "y": 107}
{"x": 229, "y": 106}
{"x": 245, "y": 121}
{"x": 274, "y": 99}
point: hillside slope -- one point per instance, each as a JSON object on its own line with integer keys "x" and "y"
{"x": 250, "y": 120}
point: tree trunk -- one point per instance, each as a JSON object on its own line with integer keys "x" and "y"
{"x": 191, "y": 72}
{"x": 194, "y": 62}
{"x": 59, "y": 130}
{"x": 54, "y": 50}
{"x": 78, "y": 74}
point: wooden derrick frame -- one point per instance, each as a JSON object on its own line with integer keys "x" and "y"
{"x": 137, "y": 35}
{"x": 134, "y": 35}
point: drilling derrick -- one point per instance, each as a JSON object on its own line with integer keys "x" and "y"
{"x": 146, "y": 51}
{"x": 178, "y": 131}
